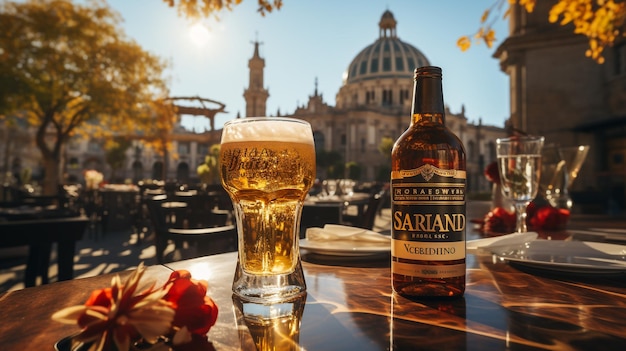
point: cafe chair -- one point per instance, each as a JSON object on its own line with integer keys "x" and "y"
{"x": 368, "y": 217}
{"x": 178, "y": 221}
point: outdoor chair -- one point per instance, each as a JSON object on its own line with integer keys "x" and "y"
{"x": 368, "y": 217}
{"x": 179, "y": 221}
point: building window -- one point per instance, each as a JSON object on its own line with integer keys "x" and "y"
{"x": 363, "y": 69}
{"x": 371, "y": 134}
{"x": 399, "y": 64}
{"x": 387, "y": 97}
{"x": 374, "y": 66}
{"x": 411, "y": 63}
{"x": 386, "y": 64}
{"x": 203, "y": 150}
{"x": 404, "y": 95}
{"x": 471, "y": 148}
{"x": 343, "y": 140}
{"x": 93, "y": 146}
{"x": 74, "y": 145}
{"x": 183, "y": 148}
{"x": 319, "y": 140}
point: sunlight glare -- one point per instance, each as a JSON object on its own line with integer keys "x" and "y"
{"x": 199, "y": 34}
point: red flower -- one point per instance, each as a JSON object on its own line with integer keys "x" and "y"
{"x": 194, "y": 309}
{"x": 178, "y": 315}
{"x": 491, "y": 172}
{"x": 549, "y": 218}
{"x": 499, "y": 220}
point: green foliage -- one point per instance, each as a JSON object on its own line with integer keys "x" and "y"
{"x": 330, "y": 162}
{"x": 385, "y": 147}
{"x": 115, "y": 153}
{"x": 353, "y": 170}
{"x": 209, "y": 172}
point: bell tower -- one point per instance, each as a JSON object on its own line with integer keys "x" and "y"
{"x": 255, "y": 95}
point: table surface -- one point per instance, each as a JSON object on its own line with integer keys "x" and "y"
{"x": 350, "y": 306}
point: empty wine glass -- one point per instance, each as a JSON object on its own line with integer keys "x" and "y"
{"x": 559, "y": 168}
{"x": 331, "y": 187}
{"x": 519, "y": 164}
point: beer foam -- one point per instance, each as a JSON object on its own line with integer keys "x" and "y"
{"x": 267, "y": 129}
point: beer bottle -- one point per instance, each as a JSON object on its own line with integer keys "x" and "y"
{"x": 428, "y": 199}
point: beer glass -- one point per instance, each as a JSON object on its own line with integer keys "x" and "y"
{"x": 519, "y": 164}
{"x": 267, "y": 166}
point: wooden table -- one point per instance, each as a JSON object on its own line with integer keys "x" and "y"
{"x": 350, "y": 306}
{"x": 39, "y": 234}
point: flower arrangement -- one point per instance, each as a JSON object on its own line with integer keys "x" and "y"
{"x": 93, "y": 179}
{"x": 538, "y": 217}
{"x": 179, "y": 315}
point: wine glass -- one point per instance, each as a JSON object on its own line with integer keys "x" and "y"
{"x": 519, "y": 164}
{"x": 559, "y": 168}
{"x": 331, "y": 187}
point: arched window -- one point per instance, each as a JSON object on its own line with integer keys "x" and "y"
{"x": 182, "y": 172}
{"x": 471, "y": 150}
{"x": 157, "y": 170}
{"x": 319, "y": 139}
{"x": 137, "y": 171}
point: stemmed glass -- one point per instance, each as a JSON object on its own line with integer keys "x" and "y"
{"x": 559, "y": 168}
{"x": 519, "y": 164}
{"x": 331, "y": 187}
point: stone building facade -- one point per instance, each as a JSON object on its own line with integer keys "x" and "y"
{"x": 570, "y": 99}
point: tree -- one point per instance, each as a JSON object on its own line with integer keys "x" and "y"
{"x": 70, "y": 69}
{"x": 386, "y": 146}
{"x": 601, "y": 21}
{"x": 115, "y": 154}
{"x": 331, "y": 162}
{"x": 194, "y": 9}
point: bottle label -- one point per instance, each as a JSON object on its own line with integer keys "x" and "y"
{"x": 428, "y": 219}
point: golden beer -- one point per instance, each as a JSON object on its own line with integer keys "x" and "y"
{"x": 267, "y": 172}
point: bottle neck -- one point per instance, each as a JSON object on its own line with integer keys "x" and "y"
{"x": 428, "y": 104}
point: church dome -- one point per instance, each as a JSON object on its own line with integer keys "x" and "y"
{"x": 387, "y": 57}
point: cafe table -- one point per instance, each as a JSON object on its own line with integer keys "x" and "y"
{"x": 330, "y": 209}
{"x": 349, "y": 305}
{"x": 39, "y": 232}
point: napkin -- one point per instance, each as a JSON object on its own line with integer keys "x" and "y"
{"x": 335, "y": 232}
{"x": 472, "y": 246}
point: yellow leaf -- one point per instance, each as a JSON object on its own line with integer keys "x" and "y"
{"x": 490, "y": 37}
{"x": 485, "y": 16}
{"x": 464, "y": 43}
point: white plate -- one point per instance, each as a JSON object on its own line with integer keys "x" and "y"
{"x": 345, "y": 248}
{"x": 578, "y": 257}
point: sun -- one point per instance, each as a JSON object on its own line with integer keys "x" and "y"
{"x": 199, "y": 34}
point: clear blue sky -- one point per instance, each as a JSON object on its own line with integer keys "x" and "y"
{"x": 306, "y": 39}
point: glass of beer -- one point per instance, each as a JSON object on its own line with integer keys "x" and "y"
{"x": 267, "y": 166}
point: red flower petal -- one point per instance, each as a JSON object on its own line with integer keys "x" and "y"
{"x": 491, "y": 172}
{"x": 194, "y": 309}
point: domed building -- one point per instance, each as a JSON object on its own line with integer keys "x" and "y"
{"x": 374, "y": 103}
